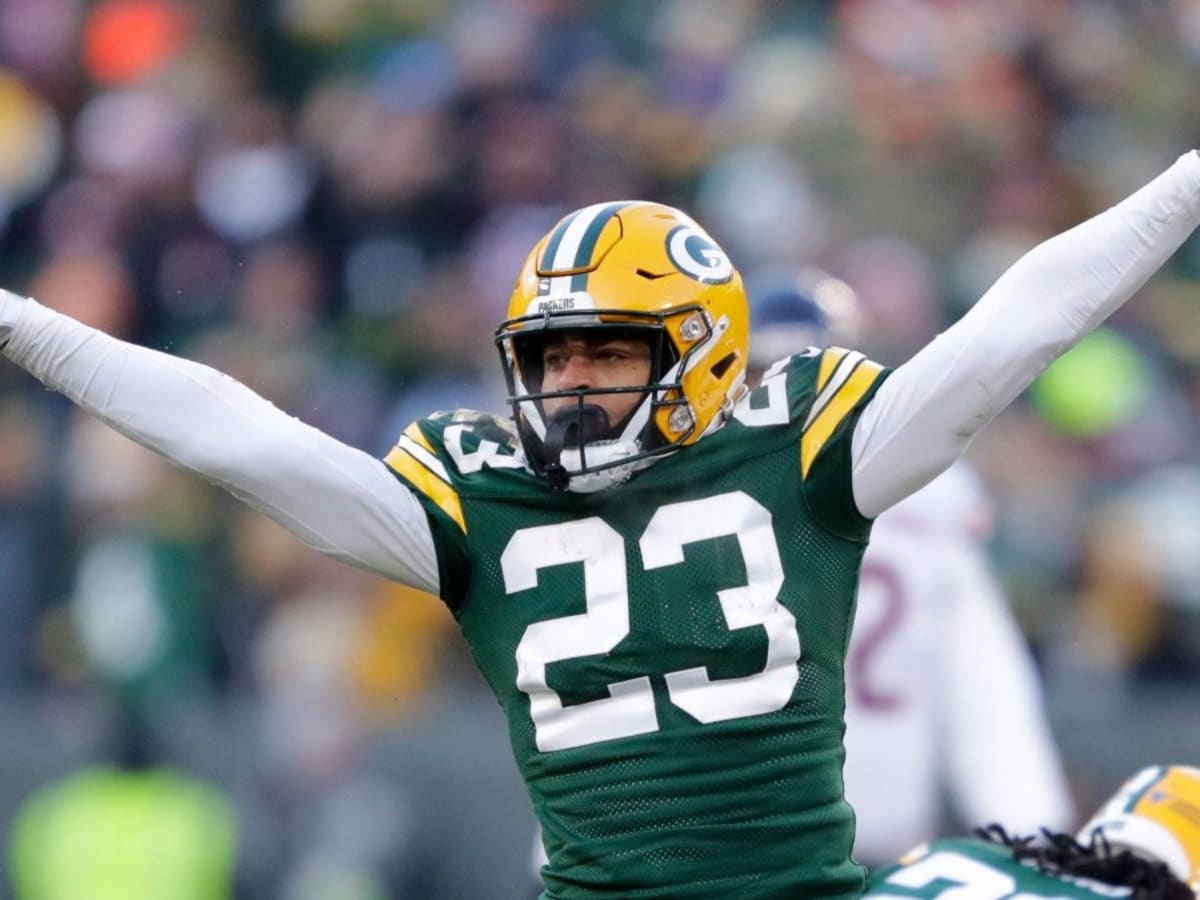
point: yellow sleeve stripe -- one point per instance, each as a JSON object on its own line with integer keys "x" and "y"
{"x": 841, "y": 364}
{"x": 829, "y": 360}
{"x": 429, "y": 480}
{"x": 414, "y": 433}
{"x": 425, "y": 457}
{"x": 838, "y": 406}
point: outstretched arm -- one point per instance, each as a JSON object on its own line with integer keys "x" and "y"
{"x": 338, "y": 499}
{"x": 926, "y": 413}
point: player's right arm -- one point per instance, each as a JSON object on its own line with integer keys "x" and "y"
{"x": 334, "y": 497}
{"x": 924, "y": 415}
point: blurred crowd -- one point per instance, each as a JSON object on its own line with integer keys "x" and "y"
{"x": 329, "y": 199}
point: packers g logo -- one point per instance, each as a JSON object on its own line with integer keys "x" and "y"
{"x": 696, "y": 255}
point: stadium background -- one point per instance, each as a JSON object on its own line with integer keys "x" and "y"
{"x": 329, "y": 199}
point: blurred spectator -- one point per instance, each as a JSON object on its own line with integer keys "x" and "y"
{"x": 30, "y": 535}
{"x": 143, "y": 601}
{"x": 326, "y": 823}
{"x": 130, "y": 828}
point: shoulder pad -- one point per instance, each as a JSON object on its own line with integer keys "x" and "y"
{"x": 481, "y": 425}
{"x": 437, "y": 455}
{"x": 418, "y": 459}
{"x": 471, "y": 441}
{"x": 782, "y": 393}
{"x": 843, "y": 378}
{"x": 816, "y": 390}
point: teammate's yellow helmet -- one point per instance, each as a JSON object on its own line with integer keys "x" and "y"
{"x": 1155, "y": 815}
{"x": 648, "y": 270}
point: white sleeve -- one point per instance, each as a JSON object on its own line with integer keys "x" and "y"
{"x": 334, "y": 497}
{"x": 927, "y": 411}
{"x": 1002, "y": 764}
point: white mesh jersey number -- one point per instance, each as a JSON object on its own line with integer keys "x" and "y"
{"x": 775, "y": 412}
{"x": 970, "y": 880}
{"x": 754, "y": 603}
{"x": 629, "y": 708}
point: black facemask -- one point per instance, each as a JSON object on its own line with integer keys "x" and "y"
{"x": 574, "y": 426}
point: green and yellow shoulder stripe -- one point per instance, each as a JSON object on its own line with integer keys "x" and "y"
{"x": 418, "y": 465}
{"x": 844, "y": 378}
{"x": 844, "y": 384}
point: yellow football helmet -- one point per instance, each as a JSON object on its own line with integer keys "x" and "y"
{"x": 1155, "y": 815}
{"x": 644, "y": 269}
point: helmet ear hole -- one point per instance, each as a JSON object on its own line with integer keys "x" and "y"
{"x": 721, "y": 366}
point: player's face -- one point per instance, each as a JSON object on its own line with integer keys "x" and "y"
{"x": 577, "y": 361}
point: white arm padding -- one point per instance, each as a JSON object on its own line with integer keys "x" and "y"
{"x": 334, "y": 497}
{"x": 925, "y": 414}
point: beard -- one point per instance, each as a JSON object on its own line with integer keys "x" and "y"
{"x": 575, "y": 426}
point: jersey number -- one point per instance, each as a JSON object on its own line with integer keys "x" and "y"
{"x": 629, "y": 708}
{"x": 968, "y": 879}
{"x": 881, "y": 592}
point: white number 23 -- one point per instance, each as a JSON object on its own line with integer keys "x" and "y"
{"x": 629, "y": 708}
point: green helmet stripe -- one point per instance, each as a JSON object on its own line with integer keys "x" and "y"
{"x": 571, "y": 245}
{"x": 556, "y": 238}
{"x": 1145, "y": 789}
{"x": 587, "y": 244}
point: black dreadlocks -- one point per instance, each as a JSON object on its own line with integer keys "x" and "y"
{"x": 1062, "y": 854}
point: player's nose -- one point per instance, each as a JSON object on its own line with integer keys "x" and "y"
{"x": 579, "y": 372}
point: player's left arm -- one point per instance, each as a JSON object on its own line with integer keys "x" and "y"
{"x": 924, "y": 415}
{"x": 1001, "y": 759}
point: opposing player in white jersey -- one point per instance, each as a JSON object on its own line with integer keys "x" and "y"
{"x": 942, "y": 697}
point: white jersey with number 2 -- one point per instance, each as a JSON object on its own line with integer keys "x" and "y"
{"x": 942, "y": 696}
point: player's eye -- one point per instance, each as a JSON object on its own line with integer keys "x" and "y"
{"x": 555, "y": 359}
{"x": 612, "y": 353}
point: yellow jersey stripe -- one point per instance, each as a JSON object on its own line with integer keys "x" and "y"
{"x": 402, "y": 461}
{"x": 829, "y": 360}
{"x": 818, "y": 433}
{"x": 414, "y": 432}
{"x": 427, "y": 458}
{"x": 843, "y": 366}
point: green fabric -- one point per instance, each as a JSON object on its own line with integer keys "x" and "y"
{"x": 107, "y": 834}
{"x": 982, "y": 870}
{"x": 746, "y": 804}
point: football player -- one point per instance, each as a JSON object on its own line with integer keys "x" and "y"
{"x": 1143, "y": 844}
{"x": 659, "y": 592}
{"x": 941, "y": 691}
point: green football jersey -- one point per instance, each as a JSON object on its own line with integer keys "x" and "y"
{"x": 978, "y": 870}
{"x": 669, "y": 651}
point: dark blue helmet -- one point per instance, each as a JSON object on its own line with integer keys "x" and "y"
{"x": 791, "y": 309}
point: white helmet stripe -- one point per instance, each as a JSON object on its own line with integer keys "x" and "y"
{"x": 571, "y": 247}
